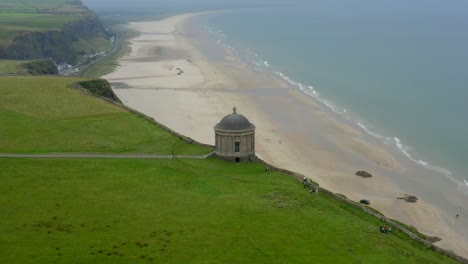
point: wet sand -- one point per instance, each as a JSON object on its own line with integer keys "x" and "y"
{"x": 168, "y": 77}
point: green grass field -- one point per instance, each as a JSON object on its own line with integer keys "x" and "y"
{"x": 159, "y": 210}
{"x": 26, "y": 16}
{"x": 36, "y": 6}
{"x": 41, "y": 21}
{"x": 21, "y": 16}
{"x": 44, "y": 115}
{"x": 12, "y": 67}
{"x": 182, "y": 211}
{"x": 25, "y": 67}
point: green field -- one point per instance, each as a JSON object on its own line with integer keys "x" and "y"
{"x": 20, "y": 18}
{"x": 182, "y": 211}
{"x": 41, "y": 21}
{"x": 159, "y": 210}
{"x": 14, "y": 24}
{"x": 43, "y": 115}
{"x": 32, "y": 67}
{"x": 36, "y": 6}
{"x": 12, "y": 67}
{"x": 17, "y": 17}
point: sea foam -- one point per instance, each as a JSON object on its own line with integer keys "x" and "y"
{"x": 255, "y": 59}
{"x": 372, "y": 133}
{"x": 426, "y": 165}
{"x": 405, "y": 150}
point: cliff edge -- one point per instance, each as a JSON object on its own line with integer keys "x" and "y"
{"x": 65, "y": 31}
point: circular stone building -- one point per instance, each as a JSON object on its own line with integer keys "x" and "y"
{"x": 235, "y": 138}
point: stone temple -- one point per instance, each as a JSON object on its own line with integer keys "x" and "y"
{"x": 235, "y": 138}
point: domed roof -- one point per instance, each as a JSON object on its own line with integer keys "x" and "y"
{"x": 234, "y": 122}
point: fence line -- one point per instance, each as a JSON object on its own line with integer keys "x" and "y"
{"x": 391, "y": 223}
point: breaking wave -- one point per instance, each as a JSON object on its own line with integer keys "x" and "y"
{"x": 254, "y": 59}
{"x": 405, "y": 150}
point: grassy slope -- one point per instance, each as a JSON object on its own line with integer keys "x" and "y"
{"x": 32, "y": 67}
{"x": 24, "y": 16}
{"x": 186, "y": 211}
{"x": 21, "y": 16}
{"x": 37, "y": 6}
{"x": 110, "y": 63}
{"x": 12, "y": 67}
{"x": 28, "y": 2}
{"x": 42, "y": 114}
{"x": 158, "y": 211}
{"x": 42, "y": 21}
{"x": 14, "y": 24}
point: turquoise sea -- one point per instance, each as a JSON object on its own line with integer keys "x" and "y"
{"x": 399, "y": 69}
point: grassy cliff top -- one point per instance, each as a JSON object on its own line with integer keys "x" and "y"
{"x": 43, "y": 115}
{"x": 40, "y": 6}
{"x": 12, "y": 67}
{"x": 21, "y": 16}
{"x": 33, "y": 67}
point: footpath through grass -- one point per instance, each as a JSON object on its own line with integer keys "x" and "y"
{"x": 182, "y": 211}
{"x": 44, "y": 115}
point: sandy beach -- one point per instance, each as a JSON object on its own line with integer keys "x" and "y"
{"x": 168, "y": 77}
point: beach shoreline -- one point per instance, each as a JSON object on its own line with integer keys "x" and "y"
{"x": 167, "y": 77}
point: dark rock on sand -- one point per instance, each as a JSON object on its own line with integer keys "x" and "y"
{"x": 363, "y": 174}
{"x": 409, "y": 198}
{"x": 433, "y": 239}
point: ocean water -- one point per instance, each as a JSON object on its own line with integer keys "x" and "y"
{"x": 399, "y": 69}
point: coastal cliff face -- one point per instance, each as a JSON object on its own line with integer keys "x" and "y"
{"x": 62, "y": 45}
{"x": 86, "y": 28}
